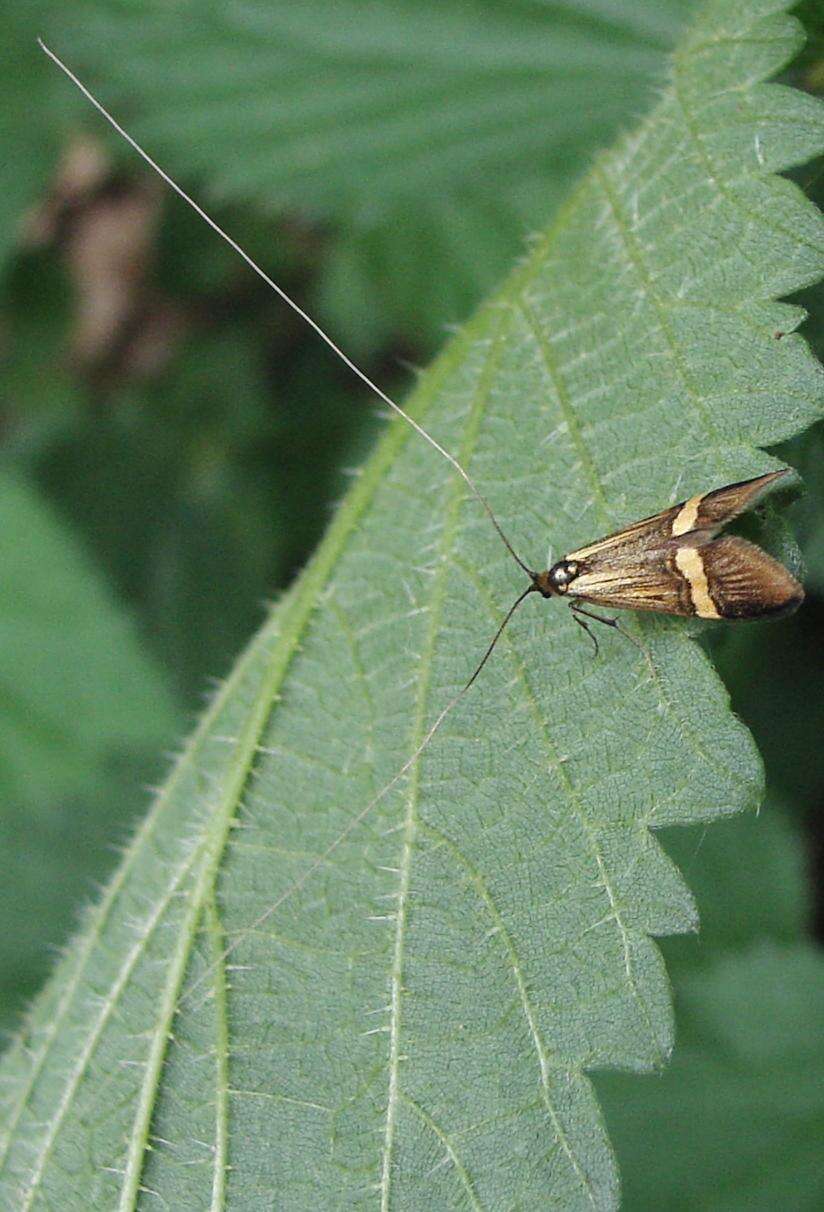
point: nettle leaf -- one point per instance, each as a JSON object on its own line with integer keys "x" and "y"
{"x": 395, "y": 91}
{"x": 406, "y": 1018}
{"x": 440, "y": 131}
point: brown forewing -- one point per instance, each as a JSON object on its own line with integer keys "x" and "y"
{"x": 715, "y": 509}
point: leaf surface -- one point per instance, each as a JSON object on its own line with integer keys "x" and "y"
{"x": 412, "y": 996}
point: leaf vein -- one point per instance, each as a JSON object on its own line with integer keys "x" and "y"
{"x": 526, "y": 1004}
{"x": 86, "y": 1053}
{"x": 438, "y": 595}
{"x": 447, "y": 1142}
{"x": 215, "y": 932}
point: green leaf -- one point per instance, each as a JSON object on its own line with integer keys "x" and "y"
{"x": 735, "y": 1124}
{"x": 413, "y": 995}
{"x": 83, "y": 709}
{"x": 406, "y": 92}
{"x": 433, "y": 135}
{"x": 31, "y": 120}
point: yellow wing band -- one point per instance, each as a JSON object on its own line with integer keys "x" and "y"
{"x": 689, "y": 563}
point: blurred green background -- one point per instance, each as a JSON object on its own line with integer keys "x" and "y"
{"x": 174, "y": 440}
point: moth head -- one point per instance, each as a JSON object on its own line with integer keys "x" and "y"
{"x": 557, "y": 579}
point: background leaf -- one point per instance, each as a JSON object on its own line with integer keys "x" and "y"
{"x": 478, "y": 995}
{"x": 453, "y": 127}
{"x": 29, "y": 133}
{"x": 84, "y": 715}
{"x": 745, "y": 1050}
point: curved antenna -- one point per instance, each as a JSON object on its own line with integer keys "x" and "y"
{"x": 270, "y": 282}
{"x": 356, "y": 820}
{"x": 533, "y": 588}
{"x": 361, "y": 816}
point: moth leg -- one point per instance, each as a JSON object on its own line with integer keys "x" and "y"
{"x": 585, "y": 626}
{"x": 577, "y": 610}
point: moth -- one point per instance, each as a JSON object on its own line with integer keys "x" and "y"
{"x": 673, "y": 563}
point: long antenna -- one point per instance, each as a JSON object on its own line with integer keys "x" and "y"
{"x": 356, "y": 820}
{"x": 352, "y": 824}
{"x": 261, "y": 273}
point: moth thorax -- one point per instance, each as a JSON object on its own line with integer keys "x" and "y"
{"x": 557, "y": 579}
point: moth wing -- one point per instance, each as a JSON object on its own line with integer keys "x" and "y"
{"x": 745, "y": 582}
{"x": 644, "y": 585}
{"x": 650, "y": 534}
{"x": 705, "y": 514}
{"x": 726, "y": 578}
{"x": 710, "y": 511}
